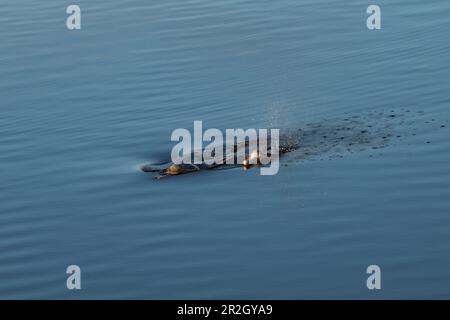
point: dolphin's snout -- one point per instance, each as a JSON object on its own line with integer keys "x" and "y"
{"x": 149, "y": 168}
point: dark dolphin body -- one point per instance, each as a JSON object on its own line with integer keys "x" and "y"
{"x": 171, "y": 169}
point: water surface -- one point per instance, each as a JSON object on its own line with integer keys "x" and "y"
{"x": 82, "y": 110}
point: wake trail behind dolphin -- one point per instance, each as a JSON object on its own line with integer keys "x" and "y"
{"x": 333, "y": 138}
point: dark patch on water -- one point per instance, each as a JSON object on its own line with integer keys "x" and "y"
{"x": 333, "y": 138}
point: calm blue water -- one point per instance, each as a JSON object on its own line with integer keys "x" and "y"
{"x": 81, "y": 110}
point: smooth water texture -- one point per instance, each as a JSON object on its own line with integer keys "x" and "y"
{"x": 81, "y": 110}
